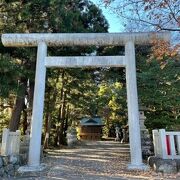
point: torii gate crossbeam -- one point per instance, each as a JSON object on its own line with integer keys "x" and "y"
{"x": 83, "y": 39}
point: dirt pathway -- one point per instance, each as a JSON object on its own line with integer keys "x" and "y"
{"x": 103, "y": 160}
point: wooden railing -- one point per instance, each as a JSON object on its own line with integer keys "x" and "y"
{"x": 10, "y": 142}
{"x": 166, "y": 144}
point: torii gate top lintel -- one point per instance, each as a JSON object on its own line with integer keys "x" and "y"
{"x": 81, "y": 39}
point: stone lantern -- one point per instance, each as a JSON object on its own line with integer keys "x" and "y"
{"x": 146, "y": 142}
{"x": 71, "y": 136}
{"x": 29, "y": 116}
{"x": 142, "y": 118}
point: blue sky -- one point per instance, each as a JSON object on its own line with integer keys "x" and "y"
{"x": 114, "y": 22}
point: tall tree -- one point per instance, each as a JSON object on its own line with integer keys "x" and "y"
{"x": 159, "y": 92}
{"x": 43, "y": 16}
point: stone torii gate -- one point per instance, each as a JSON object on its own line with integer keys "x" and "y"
{"x": 83, "y": 39}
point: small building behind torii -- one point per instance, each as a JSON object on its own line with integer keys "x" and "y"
{"x": 90, "y": 128}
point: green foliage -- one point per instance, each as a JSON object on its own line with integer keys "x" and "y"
{"x": 159, "y": 92}
{"x": 18, "y": 64}
{"x": 4, "y": 120}
{"x": 9, "y": 74}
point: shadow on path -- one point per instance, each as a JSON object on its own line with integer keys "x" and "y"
{"x": 106, "y": 160}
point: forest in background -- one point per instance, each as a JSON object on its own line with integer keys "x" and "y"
{"x": 74, "y": 93}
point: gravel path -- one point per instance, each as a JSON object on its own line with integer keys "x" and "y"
{"x": 103, "y": 160}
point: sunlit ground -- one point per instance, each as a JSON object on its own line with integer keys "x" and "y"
{"x": 93, "y": 160}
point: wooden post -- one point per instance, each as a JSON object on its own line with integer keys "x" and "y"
{"x": 178, "y": 143}
{"x": 172, "y": 145}
{"x": 155, "y": 134}
{"x": 162, "y": 139}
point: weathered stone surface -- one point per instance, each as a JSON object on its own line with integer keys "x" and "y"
{"x": 151, "y": 160}
{"x": 23, "y": 159}
{"x": 71, "y": 139}
{"x": 11, "y": 173}
{"x": 81, "y": 39}
{"x": 16, "y": 167}
{"x": 163, "y": 165}
{"x": 1, "y": 171}
{"x": 24, "y": 149}
{"x": 5, "y": 175}
{"x": 13, "y": 159}
{"x": 178, "y": 165}
{"x": 146, "y": 142}
{"x": 132, "y": 102}
{"x": 5, "y": 160}
{"x": 35, "y": 142}
{"x": 167, "y": 167}
{"x": 9, "y": 167}
{"x": 1, "y": 162}
{"x": 85, "y": 61}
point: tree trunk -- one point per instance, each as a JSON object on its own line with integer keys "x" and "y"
{"x": 50, "y": 107}
{"x": 24, "y": 121}
{"x": 31, "y": 93}
{"x": 47, "y": 117}
{"x": 108, "y": 127}
{"x": 62, "y": 111}
{"x": 66, "y": 120}
{"x": 62, "y": 120}
{"x": 18, "y": 107}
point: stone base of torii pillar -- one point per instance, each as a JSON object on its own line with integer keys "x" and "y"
{"x": 28, "y": 168}
{"x": 25, "y": 146}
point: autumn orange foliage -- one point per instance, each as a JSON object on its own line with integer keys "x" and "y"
{"x": 162, "y": 51}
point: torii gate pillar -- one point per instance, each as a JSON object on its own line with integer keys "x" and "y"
{"x": 38, "y": 106}
{"x": 133, "y": 110}
{"x": 84, "y": 39}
